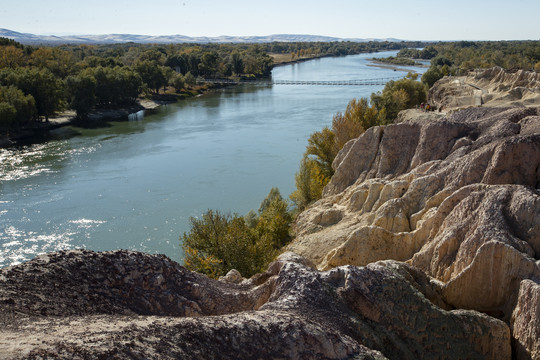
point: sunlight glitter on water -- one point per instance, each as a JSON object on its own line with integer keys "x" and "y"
{"x": 27, "y": 245}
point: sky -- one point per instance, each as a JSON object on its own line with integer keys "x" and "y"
{"x": 407, "y": 20}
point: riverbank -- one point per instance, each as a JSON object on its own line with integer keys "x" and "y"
{"x": 99, "y": 117}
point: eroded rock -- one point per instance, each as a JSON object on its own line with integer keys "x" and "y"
{"x": 457, "y": 196}
{"x": 105, "y": 305}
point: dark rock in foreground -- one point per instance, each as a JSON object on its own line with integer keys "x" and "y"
{"x": 123, "y": 304}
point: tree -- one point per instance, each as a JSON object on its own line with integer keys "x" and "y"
{"x": 219, "y": 242}
{"x": 399, "y": 95}
{"x": 308, "y": 187}
{"x": 274, "y": 220}
{"x": 7, "y": 116}
{"x": 81, "y": 91}
{"x": 358, "y": 117}
{"x": 17, "y": 108}
{"x": 46, "y": 89}
{"x": 209, "y": 63}
{"x": 237, "y": 62}
{"x": 178, "y": 82}
{"x": 151, "y": 74}
{"x": 11, "y": 57}
{"x": 431, "y": 76}
{"x": 189, "y": 79}
{"x": 322, "y": 146}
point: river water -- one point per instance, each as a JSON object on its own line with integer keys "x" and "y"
{"x": 135, "y": 184}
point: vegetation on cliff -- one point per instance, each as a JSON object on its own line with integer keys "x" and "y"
{"x": 218, "y": 242}
{"x": 316, "y": 166}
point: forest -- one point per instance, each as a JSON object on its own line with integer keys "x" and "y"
{"x": 456, "y": 58}
{"x": 37, "y": 82}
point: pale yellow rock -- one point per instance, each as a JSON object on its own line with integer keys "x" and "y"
{"x": 455, "y": 195}
{"x": 462, "y": 207}
{"x": 525, "y": 321}
{"x": 491, "y": 87}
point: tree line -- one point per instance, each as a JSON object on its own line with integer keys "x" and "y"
{"x": 456, "y": 58}
{"x": 37, "y": 82}
{"x": 338, "y": 48}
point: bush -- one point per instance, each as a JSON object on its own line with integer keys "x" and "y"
{"x": 323, "y": 146}
{"x": 219, "y": 242}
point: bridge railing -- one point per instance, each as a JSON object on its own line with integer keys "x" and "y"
{"x": 355, "y": 82}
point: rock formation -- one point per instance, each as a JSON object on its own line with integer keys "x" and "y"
{"x": 491, "y": 87}
{"x": 455, "y": 196}
{"x": 123, "y": 304}
{"x": 425, "y": 245}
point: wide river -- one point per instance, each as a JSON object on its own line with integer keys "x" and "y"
{"x": 134, "y": 185}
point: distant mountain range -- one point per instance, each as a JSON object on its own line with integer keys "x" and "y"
{"x": 32, "y": 39}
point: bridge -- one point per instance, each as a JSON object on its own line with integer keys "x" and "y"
{"x": 362, "y": 82}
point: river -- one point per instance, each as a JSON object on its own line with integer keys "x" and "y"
{"x": 134, "y": 185}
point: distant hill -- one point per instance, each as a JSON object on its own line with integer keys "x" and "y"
{"x": 32, "y": 39}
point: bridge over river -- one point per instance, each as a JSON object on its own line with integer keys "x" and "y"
{"x": 357, "y": 82}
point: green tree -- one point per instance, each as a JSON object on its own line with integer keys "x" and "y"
{"x": 178, "y": 82}
{"x": 209, "y": 63}
{"x": 151, "y": 74}
{"x": 322, "y": 147}
{"x": 81, "y": 91}
{"x": 308, "y": 186}
{"x": 399, "y": 95}
{"x": 237, "y": 62}
{"x": 220, "y": 242}
{"x": 431, "y": 76}
{"x": 274, "y": 220}
{"x": 190, "y": 79}
{"x": 7, "y": 116}
{"x": 18, "y": 109}
{"x": 46, "y": 89}
{"x": 11, "y": 57}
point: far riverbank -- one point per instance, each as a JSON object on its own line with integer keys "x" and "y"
{"x": 98, "y": 117}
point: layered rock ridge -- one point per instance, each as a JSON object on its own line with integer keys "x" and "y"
{"x": 123, "y": 304}
{"x": 491, "y": 87}
{"x": 456, "y": 196}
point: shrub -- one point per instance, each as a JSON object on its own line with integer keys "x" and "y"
{"x": 219, "y": 242}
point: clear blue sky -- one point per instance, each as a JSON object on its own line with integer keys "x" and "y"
{"x": 409, "y": 20}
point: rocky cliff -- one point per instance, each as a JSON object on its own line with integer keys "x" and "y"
{"x": 425, "y": 245}
{"x": 454, "y": 196}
